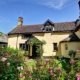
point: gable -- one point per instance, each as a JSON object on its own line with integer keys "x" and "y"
{"x": 48, "y": 26}
{"x": 71, "y": 38}
{"x": 48, "y": 22}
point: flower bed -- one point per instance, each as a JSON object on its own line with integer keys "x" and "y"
{"x": 15, "y": 66}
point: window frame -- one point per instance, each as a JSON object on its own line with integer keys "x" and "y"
{"x": 23, "y": 46}
{"x": 66, "y": 46}
{"x": 48, "y": 28}
{"x": 55, "y": 47}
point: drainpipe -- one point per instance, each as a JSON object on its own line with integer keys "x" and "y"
{"x": 17, "y": 42}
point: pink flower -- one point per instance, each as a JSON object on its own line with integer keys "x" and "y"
{"x": 21, "y": 75}
{"x": 30, "y": 76}
{"x": 78, "y": 76}
{"x": 51, "y": 71}
{"x": 72, "y": 61}
{"x": 58, "y": 69}
{"x": 47, "y": 60}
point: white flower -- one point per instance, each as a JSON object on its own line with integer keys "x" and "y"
{"x": 21, "y": 67}
{"x": 3, "y": 59}
{"x": 18, "y": 68}
{"x": 8, "y": 64}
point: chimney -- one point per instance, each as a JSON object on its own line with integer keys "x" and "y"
{"x": 79, "y": 7}
{"x": 20, "y": 21}
{"x": 77, "y": 22}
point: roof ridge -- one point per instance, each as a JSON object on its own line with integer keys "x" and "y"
{"x": 65, "y": 22}
{"x": 32, "y": 25}
{"x": 43, "y": 24}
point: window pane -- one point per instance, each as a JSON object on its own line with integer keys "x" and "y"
{"x": 66, "y": 47}
{"x": 22, "y": 46}
{"x": 26, "y": 47}
{"x": 55, "y": 46}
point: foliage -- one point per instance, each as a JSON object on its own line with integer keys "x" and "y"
{"x": 35, "y": 42}
{"x": 72, "y": 72}
{"x": 54, "y": 69}
{"x": 13, "y": 66}
{"x": 39, "y": 51}
{"x": 72, "y": 54}
{"x": 26, "y": 53}
{"x": 1, "y": 33}
{"x": 9, "y": 61}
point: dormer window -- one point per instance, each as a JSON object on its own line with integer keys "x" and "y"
{"x": 48, "y": 26}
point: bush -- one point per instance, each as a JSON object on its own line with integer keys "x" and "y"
{"x": 9, "y": 62}
{"x": 13, "y": 66}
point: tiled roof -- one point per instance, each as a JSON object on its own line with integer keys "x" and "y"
{"x": 3, "y": 38}
{"x": 77, "y": 28}
{"x": 62, "y": 27}
{"x": 73, "y": 37}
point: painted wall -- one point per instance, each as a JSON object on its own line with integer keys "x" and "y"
{"x": 12, "y": 41}
{"x": 71, "y": 46}
{"x": 15, "y": 40}
{"x": 78, "y": 33}
{"x": 50, "y": 38}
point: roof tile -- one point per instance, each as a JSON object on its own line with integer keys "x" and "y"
{"x": 64, "y": 26}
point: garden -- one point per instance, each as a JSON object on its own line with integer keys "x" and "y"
{"x": 14, "y": 65}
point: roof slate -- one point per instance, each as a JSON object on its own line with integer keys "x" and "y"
{"x": 59, "y": 27}
{"x": 4, "y": 38}
{"x": 73, "y": 37}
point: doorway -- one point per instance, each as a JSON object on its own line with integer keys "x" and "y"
{"x": 34, "y": 51}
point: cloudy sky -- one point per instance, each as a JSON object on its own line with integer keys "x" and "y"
{"x": 36, "y": 12}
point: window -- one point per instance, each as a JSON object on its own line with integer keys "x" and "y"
{"x": 55, "y": 48}
{"x": 23, "y": 47}
{"x": 49, "y": 28}
{"x": 66, "y": 47}
{"x": 24, "y": 37}
{"x": 27, "y": 47}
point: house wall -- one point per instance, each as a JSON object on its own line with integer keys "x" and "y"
{"x": 2, "y": 44}
{"x": 12, "y": 41}
{"x": 78, "y": 33}
{"x": 15, "y": 40}
{"x": 51, "y": 38}
{"x": 75, "y": 46}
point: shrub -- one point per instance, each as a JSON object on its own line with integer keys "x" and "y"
{"x": 9, "y": 62}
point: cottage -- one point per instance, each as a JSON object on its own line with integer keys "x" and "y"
{"x": 59, "y": 38}
{"x": 3, "y": 40}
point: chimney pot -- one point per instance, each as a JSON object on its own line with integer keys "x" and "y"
{"x": 20, "y": 21}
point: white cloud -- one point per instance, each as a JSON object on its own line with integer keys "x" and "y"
{"x": 57, "y": 4}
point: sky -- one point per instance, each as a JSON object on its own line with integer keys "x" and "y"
{"x": 36, "y": 12}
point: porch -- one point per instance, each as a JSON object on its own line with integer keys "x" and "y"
{"x": 34, "y": 47}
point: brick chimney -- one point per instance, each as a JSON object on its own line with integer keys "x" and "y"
{"x": 20, "y": 21}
